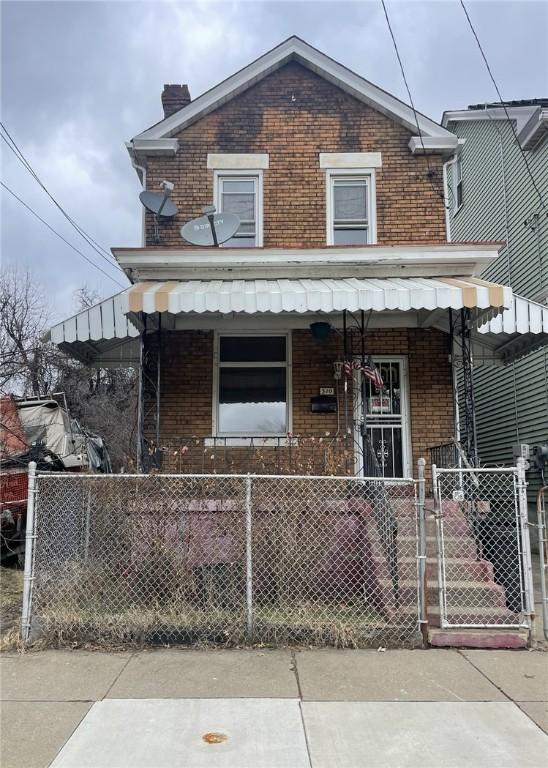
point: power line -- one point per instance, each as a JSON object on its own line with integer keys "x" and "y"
{"x": 93, "y": 264}
{"x": 430, "y": 172}
{"x": 503, "y": 105}
{"x": 23, "y": 160}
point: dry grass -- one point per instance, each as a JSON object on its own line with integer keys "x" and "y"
{"x": 11, "y": 597}
{"x": 301, "y": 624}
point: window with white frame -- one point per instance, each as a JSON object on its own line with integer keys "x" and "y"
{"x": 458, "y": 183}
{"x": 350, "y": 209}
{"x": 241, "y": 194}
{"x": 252, "y": 385}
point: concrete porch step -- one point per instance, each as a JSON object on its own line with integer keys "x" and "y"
{"x": 474, "y": 594}
{"x": 454, "y": 547}
{"x": 466, "y": 614}
{"x": 478, "y": 638}
{"x": 456, "y": 569}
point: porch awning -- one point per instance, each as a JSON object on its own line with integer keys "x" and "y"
{"x": 505, "y": 326}
{"x": 322, "y": 295}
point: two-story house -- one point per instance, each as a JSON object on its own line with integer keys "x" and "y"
{"x": 339, "y": 189}
{"x": 492, "y": 195}
{"x": 323, "y": 337}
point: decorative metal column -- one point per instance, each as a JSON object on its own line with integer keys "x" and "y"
{"x": 148, "y": 448}
{"x": 467, "y": 418}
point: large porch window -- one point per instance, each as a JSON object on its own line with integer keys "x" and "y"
{"x": 251, "y": 397}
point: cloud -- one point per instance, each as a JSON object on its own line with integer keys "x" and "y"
{"x": 79, "y": 79}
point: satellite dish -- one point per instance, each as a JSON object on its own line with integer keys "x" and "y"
{"x": 211, "y": 229}
{"x": 159, "y": 203}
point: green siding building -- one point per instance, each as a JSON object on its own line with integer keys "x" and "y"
{"x": 491, "y": 196}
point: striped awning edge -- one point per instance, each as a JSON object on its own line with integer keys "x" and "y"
{"x": 308, "y": 295}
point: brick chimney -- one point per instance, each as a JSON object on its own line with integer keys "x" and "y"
{"x": 174, "y": 97}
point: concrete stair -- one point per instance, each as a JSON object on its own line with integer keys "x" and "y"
{"x": 473, "y": 596}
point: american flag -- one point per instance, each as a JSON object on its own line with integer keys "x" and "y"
{"x": 368, "y": 369}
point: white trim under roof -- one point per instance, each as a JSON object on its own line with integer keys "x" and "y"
{"x": 428, "y": 145}
{"x": 447, "y": 259}
{"x": 534, "y": 129}
{"x": 295, "y": 49}
{"x": 520, "y": 114}
{"x": 158, "y": 147}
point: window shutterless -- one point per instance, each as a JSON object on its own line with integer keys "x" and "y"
{"x": 252, "y": 386}
{"x": 349, "y": 209}
{"x": 240, "y": 195}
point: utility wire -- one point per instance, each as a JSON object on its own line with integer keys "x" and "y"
{"x": 430, "y": 171}
{"x": 23, "y": 160}
{"x": 93, "y": 264}
{"x": 503, "y": 105}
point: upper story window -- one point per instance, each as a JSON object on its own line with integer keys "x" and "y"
{"x": 241, "y": 193}
{"x": 458, "y": 183}
{"x": 350, "y": 208}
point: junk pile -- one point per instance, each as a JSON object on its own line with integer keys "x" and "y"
{"x": 38, "y": 429}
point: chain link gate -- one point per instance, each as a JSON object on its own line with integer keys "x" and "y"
{"x": 167, "y": 559}
{"x": 483, "y": 550}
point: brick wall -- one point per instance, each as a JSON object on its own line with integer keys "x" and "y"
{"x": 187, "y": 395}
{"x": 293, "y": 115}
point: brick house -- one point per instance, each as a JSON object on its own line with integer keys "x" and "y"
{"x": 263, "y": 355}
{"x": 341, "y": 255}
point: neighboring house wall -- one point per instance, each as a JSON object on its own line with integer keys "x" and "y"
{"x": 293, "y": 115}
{"x": 511, "y": 402}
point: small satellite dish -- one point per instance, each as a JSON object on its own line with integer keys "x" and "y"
{"x": 159, "y": 203}
{"x": 211, "y": 229}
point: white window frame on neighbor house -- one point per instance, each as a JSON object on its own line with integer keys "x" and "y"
{"x": 407, "y": 451}
{"x": 256, "y": 176}
{"x": 354, "y": 174}
{"x": 457, "y": 183}
{"x": 246, "y": 438}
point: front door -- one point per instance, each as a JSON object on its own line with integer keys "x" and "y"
{"x": 386, "y": 420}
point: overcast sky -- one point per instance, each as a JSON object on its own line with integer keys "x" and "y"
{"x": 81, "y": 78}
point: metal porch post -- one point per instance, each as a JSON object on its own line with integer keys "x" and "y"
{"x": 470, "y": 438}
{"x": 149, "y": 394}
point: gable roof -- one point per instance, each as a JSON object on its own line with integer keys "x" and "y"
{"x": 295, "y": 49}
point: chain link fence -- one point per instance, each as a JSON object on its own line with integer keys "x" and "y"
{"x": 229, "y": 559}
{"x": 483, "y": 552}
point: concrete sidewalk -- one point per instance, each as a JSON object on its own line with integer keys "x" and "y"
{"x": 274, "y": 708}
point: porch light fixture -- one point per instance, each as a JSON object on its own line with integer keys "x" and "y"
{"x": 320, "y": 330}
